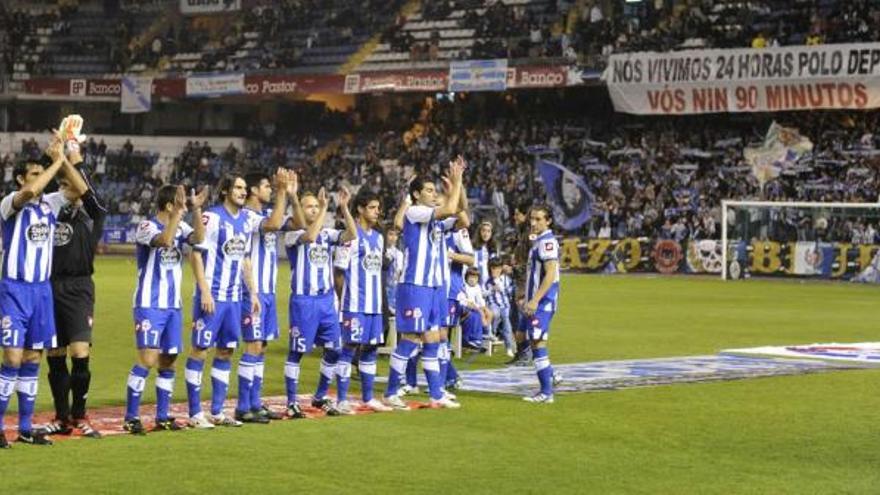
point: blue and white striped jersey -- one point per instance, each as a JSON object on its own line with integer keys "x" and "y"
{"x": 499, "y": 291}
{"x": 459, "y": 242}
{"x": 28, "y": 235}
{"x": 264, "y": 256}
{"x": 481, "y": 263}
{"x": 424, "y": 247}
{"x": 311, "y": 270}
{"x": 363, "y": 273}
{"x": 160, "y": 269}
{"x": 545, "y": 247}
{"x": 226, "y": 243}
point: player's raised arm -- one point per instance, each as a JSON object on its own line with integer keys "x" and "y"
{"x": 400, "y": 214}
{"x": 451, "y": 206}
{"x": 31, "y": 189}
{"x": 178, "y": 209}
{"x": 463, "y": 219}
{"x": 276, "y": 219}
{"x": 343, "y": 198}
{"x": 298, "y": 221}
{"x": 198, "y": 201}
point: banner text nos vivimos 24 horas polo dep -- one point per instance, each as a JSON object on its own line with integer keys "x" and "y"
{"x": 844, "y": 76}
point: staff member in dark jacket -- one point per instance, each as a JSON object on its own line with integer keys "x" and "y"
{"x": 519, "y": 269}
{"x": 80, "y": 227}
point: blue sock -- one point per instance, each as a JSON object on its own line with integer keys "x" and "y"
{"x": 219, "y": 384}
{"x": 399, "y": 359}
{"x": 328, "y": 372}
{"x": 431, "y": 365}
{"x": 451, "y": 372}
{"x": 246, "y": 380}
{"x": 28, "y": 383}
{"x": 8, "y": 378}
{"x": 291, "y": 375}
{"x": 367, "y": 371}
{"x": 343, "y": 372}
{"x": 412, "y": 371}
{"x": 193, "y": 374}
{"x": 137, "y": 381}
{"x": 164, "y": 389}
{"x": 443, "y": 359}
{"x": 545, "y": 371}
{"x": 257, "y": 385}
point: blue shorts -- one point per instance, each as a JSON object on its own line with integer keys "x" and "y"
{"x": 314, "y": 320}
{"x": 159, "y": 329}
{"x": 264, "y": 327}
{"x": 453, "y": 313}
{"x": 27, "y": 315}
{"x": 537, "y": 326}
{"x": 361, "y": 328}
{"x": 419, "y": 309}
{"x": 222, "y": 328}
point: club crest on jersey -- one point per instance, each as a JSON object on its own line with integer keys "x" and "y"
{"x": 38, "y": 233}
{"x": 319, "y": 255}
{"x": 63, "y": 234}
{"x": 234, "y": 247}
{"x": 169, "y": 256}
{"x": 270, "y": 240}
{"x": 372, "y": 262}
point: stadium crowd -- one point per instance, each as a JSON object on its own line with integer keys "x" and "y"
{"x": 663, "y": 179}
{"x": 282, "y": 34}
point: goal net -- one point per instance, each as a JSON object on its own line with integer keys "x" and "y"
{"x": 800, "y": 239}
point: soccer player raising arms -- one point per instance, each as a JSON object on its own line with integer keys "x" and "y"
{"x": 260, "y": 274}
{"x": 158, "y": 318}
{"x": 27, "y": 323}
{"x": 217, "y": 264}
{"x": 314, "y": 319}
{"x": 362, "y": 301}
{"x": 542, "y": 295}
{"x": 421, "y": 296}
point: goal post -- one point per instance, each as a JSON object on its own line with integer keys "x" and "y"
{"x": 799, "y": 239}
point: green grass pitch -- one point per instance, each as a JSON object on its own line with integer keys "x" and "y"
{"x": 801, "y": 434}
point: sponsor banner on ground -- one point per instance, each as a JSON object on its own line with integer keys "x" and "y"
{"x": 641, "y": 255}
{"x": 616, "y": 375}
{"x": 830, "y": 260}
{"x": 841, "y": 76}
{"x": 838, "y": 260}
{"x": 478, "y": 75}
{"x": 215, "y": 85}
{"x": 861, "y": 352}
{"x": 193, "y": 7}
{"x": 136, "y": 94}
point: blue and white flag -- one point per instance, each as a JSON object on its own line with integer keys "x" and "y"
{"x": 567, "y": 194}
{"x": 136, "y": 94}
